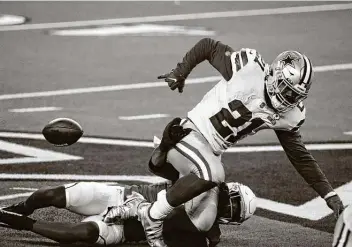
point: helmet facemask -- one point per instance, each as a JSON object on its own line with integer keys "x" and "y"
{"x": 240, "y": 205}
{"x": 288, "y": 80}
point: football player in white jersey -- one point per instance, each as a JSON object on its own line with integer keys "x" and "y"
{"x": 251, "y": 96}
{"x": 110, "y": 220}
{"x": 343, "y": 229}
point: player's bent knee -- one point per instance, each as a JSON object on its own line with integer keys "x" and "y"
{"x": 108, "y": 234}
{"x": 87, "y": 231}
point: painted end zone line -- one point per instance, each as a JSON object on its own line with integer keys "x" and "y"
{"x": 74, "y": 177}
{"x": 238, "y": 149}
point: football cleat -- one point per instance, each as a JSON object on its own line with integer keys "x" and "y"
{"x": 19, "y": 208}
{"x": 153, "y": 229}
{"x": 16, "y": 221}
{"x": 125, "y": 211}
{"x": 288, "y": 80}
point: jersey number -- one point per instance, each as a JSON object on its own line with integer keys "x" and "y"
{"x": 223, "y": 118}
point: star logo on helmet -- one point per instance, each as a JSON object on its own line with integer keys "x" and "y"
{"x": 288, "y": 60}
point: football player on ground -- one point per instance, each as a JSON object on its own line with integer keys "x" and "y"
{"x": 110, "y": 219}
{"x": 251, "y": 96}
{"x": 343, "y": 229}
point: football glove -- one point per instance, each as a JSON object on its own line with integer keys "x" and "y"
{"x": 174, "y": 79}
{"x": 172, "y": 134}
{"x": 334, "y": 202}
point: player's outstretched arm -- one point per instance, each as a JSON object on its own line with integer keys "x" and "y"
{"x": 214, "y": 51}
{"x": 308, "y": 168}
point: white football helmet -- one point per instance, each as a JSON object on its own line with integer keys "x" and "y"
{"x": 288, "y": 80}
{"x": 242, "y": 204}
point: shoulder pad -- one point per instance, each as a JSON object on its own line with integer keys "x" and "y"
{"x": 246, "y": 57}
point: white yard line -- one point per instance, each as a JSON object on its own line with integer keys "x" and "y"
{"x": 24, "y": 188}
{"x": 150, "y": 144}
{"x": 74, "y": 177}
{"x": 348, "y": 133}
{"x": 180, "y": 17}
{"x": 103, "y": 88}
{"x": 14, "y": 196}
{"x": 144, "y": 85}
{"x": 141, "y": 117}
{"x": 333, "y": 67}
{"x": 35, "y": 109}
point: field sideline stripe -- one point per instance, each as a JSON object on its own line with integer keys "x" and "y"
{"x": 70, "y": 177}
{"x": 178, "y": 17}
{"x": 324, "y": 68}
{"x": 238, "y": 149}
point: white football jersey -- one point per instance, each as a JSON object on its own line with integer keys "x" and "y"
{"x": 233, "y": 109}
{"x": 343, "y": 229}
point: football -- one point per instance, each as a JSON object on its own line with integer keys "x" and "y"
{"x": 62, "y": 132}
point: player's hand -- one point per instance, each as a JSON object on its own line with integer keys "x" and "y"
{"x": 174, "y": 79}
{"x": 334, "y": 202}
{"x": 172, "y": 134}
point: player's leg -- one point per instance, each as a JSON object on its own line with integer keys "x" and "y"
{"x": 200, "y": 170}
{"x": 202, "y": 210}
{"x": 160, "y": 167}
{"x": 179, "y": 230}
{"x": 86, "y": 198}
{"x": 91, "y": 230}
{"x": 87, "y": 232}
{"x": 41, "y": 198}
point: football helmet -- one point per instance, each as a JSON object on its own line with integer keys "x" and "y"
{"x": 241, "y": 205}
{"x": 288, "y": 80}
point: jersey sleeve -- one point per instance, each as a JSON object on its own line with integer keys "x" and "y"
{"x": 301, "y": 117}
{"x": 245, "y": 58}
{"x": 217, "y": 53}
{"x": 303, "y": 161}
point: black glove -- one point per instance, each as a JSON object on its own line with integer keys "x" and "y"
{"x": 174, "y": 79}
{"x": 334, "y": 202}
{"x": 172, "y": 134}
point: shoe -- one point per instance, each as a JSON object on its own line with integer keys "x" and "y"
{"x": 125, "y": 211}
{"x": 153, "y": 229}
{"x": 19, "y": 208}
{"x": 16, "y": 221}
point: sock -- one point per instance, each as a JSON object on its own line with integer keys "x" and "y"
{"x": 161, "y": 208}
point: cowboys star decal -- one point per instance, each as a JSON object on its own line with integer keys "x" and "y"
{"x": 288, "y": 60}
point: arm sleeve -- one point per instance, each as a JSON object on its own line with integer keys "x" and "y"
{"x": 218, "y": 55}
{"x": 303, "y": 161}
